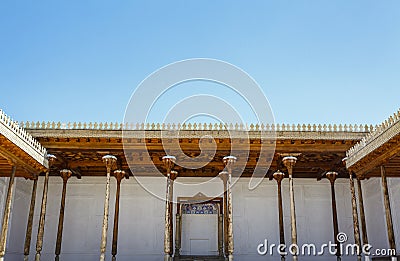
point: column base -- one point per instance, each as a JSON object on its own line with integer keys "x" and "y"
{"x": 26, "y": 257}
{"x": 102, "y": 256}
{"x": 167, "y": 257}
{"x": 37, "y": 257}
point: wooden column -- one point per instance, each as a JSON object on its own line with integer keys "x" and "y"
{"x": 39, "y": 239}
{"x": 220, "y": 233}
{"x": 110, "y": 162}
{"x": 65, "y": 175}
{"x": 173, "y": 176}
{"x": 168, "y": 229}
{"x": 331, "y": 176}
{"x": 6, "y": 214}
{"x": 289, "y": 162}
{"x": 279, "y": 176}
{"x": 28, "y": 235}
{"x": 229, "y": 162}
{"x": 362, "y": 216}
{"x": 386, "y": 201}
{"x": 119, "y": 175}
{"x": 224, "y": 177}
{"x": 178, "y": 234}
{"x": 355, "y": 216}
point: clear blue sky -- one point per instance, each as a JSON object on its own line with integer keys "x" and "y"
{"x": 317, "y": 61}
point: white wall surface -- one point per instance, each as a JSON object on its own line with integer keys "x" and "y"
{"x": 141, "y": 231}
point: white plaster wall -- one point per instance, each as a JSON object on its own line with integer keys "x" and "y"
{"x": 142, "y": 216}
{"x": 3, "y": 194}
{"x": 375, "y": 211}
{"x": 394, "y": 184}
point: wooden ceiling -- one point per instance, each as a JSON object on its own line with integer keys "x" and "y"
{"x": 11, "y": 154}
{"x": 387, "y": 154}
{"x": 83, "y": 154}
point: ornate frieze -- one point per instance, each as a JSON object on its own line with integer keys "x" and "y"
{"x": 200, "y": 209}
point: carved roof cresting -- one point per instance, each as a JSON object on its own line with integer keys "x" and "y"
{"x": 20, "y": 137}
{"x": 381, "y": 134}
{"x": 198, "y": 126}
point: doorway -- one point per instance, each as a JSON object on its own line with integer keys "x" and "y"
{"x": 199, "y": 226}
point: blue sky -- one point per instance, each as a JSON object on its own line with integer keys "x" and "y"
{"x": 316, "y": 61}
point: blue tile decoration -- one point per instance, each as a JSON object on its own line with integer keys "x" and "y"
{"x": 200, "y": 208}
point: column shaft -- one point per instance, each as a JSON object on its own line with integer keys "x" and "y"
{"x": 355, "y": 217}
{"x": 279, "y": 176}
{"x": 6, "y": 215}
{"x": 28, "y": 235}
{"x": 178, "y": 234}
{"x": 168, "y": 228}
{"x": 119, "y": 175}
{"x": 225, "y": 217}
{"x": 335, "y": 220}
{"x": 389, "y": 223}
{"x": 103, "y": 243}
{"x": 220, "y": 234}
{"x": 39, "y": 240}
{"x": 171, "y": 216}
{"x": 280, "y": 210}
{"x": 61, "y": 215}
{"x": 362, "y": 213}
{"x": 230, "y": 219}
{"x": 110, "y": 162}
{"x": 281, "y": 224}
{"x": 229, "y": 162}
{"x": 289, "y": 162}
{"x": 292, "y": 213}
{"x": 168, "y": 219}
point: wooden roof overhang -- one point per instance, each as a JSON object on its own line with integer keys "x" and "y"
{"x": 380, "y": 147}
{"x": 18, "y": 148}
{"x": 81, "y": 150}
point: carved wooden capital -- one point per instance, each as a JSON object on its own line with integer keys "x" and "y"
{"x": 119, "y": 175}
{"x": 110, "y": 162}
{"x": 65, "y": 174}
{"x": 51, "y": 158}
{"x": 289, "y": 162}
{"x": 331, "y": 175}
{"x": 279, "y": 176}
{"x": 229, "y": 161}
{"x": 224, "y": 175}
{"x": 169, "y": 162}
{"x": 173, "y": 174}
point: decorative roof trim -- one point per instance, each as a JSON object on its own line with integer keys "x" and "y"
{"x": 373, "y": 140}
{"x": 197, "y": 126}
{"x": 21, "y": 138}
{"x": 139, "y": 134}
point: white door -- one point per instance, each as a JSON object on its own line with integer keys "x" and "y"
{"x": 200, "y": 234}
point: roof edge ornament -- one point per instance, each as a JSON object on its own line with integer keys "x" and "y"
{"x": 354, "y": 153}
{"x": 21, "y": 138}
{"x": 199, "y": 127}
